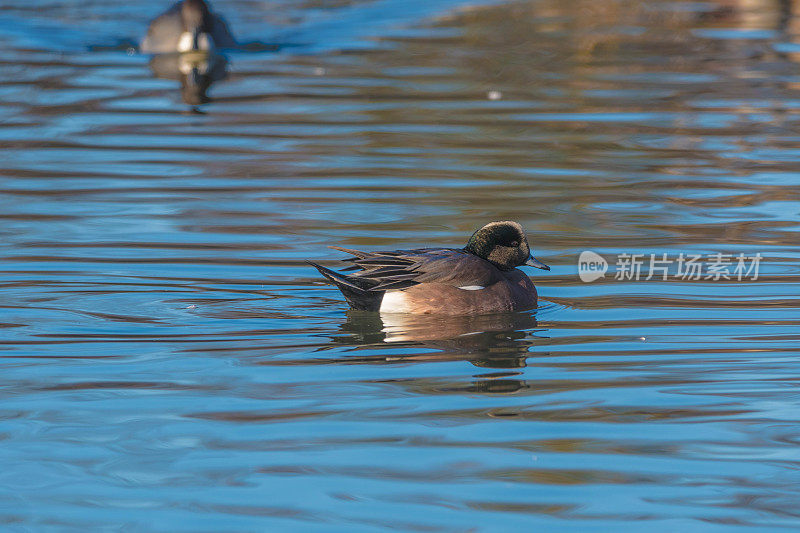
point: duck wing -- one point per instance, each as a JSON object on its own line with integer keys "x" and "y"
{"x": 164, "y": 32}
{"x": 400, "y": 269}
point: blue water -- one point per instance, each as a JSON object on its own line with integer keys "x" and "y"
{"x": 170, "y": 362}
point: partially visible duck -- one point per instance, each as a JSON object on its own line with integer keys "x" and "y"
{"x": 187, "y": 26}
{"x": 481, "y": 278}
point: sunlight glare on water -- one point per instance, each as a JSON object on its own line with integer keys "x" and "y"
{"x": 171, "y": 363}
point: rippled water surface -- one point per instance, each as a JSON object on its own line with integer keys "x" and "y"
{"x": 171, "y": 363}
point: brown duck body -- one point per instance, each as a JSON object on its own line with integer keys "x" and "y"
{"x": 514, "y": 292}
{"x": 440, "y": 281}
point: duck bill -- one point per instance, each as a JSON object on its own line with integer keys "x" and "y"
{"x": 532, "y": 261}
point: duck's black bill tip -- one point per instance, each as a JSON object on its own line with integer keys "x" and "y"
{"x": 532, "y": 261}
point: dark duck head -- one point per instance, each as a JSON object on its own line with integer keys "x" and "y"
{"x": 503, "y": 244}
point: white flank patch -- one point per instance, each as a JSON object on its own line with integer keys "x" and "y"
{"x": 471, "y": 287}
{"x": 394, "y": 302}
{"x": 185, "y": 42}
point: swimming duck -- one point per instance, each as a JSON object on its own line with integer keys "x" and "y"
{"x": 480, "y": 278}
{"x": 188, "y": 26}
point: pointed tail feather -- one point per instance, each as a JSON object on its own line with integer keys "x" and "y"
{"x": 356, "y": 291}
{"x": 336, "y": 278}
{"x": 357, "y": 253}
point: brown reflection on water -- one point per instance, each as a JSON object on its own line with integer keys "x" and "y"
{"x": 569, "y": 103}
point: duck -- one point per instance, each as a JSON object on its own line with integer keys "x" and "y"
{"x": 481, "y": 278}
{"x": 187, "y": 26}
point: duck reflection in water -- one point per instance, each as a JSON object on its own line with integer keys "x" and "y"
{"x": 196, "y": 72}
{"x": 185, "y": 41}
{"x": 495, "y": 341}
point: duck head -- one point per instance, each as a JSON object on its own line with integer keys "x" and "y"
{"x": 197, "y": 23}
{"x": 504, "y": 244}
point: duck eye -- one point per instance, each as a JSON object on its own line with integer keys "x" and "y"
{"x": 514, "y": 244}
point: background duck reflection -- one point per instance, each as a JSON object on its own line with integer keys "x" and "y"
{"x": 196, "y": 72}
